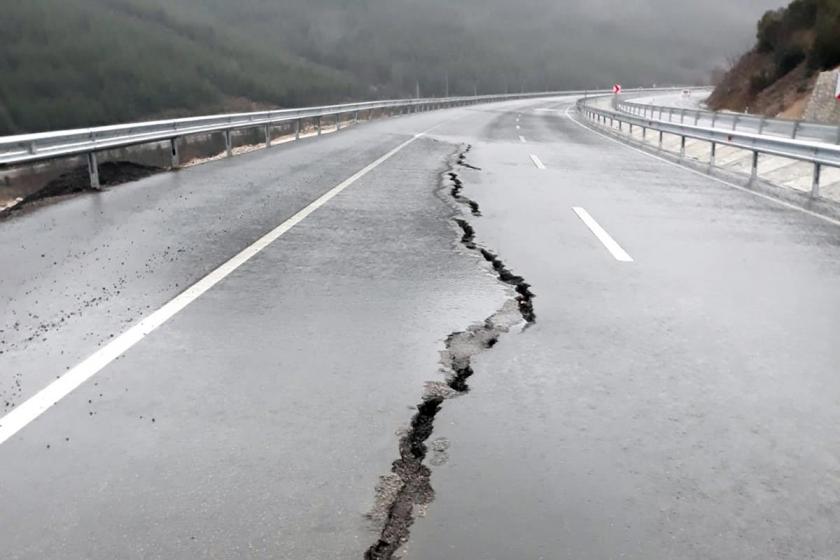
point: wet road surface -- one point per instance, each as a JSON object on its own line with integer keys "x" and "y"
{"x": 682, "y": 403}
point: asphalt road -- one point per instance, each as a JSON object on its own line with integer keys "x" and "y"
{"x": 673, "y": 99}
{"x": 676, "y": 397}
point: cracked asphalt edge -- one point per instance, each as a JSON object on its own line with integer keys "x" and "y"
{"x": 404, "y": 494}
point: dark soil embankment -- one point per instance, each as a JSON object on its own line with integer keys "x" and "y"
{"x": 743, "y": 89}
{"x": 77, "y": 180}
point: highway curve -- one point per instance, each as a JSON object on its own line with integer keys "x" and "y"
{"x": 478, "y": 333}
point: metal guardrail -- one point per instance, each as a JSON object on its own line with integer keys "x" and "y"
{"x": 785, "y": 128}
{"x": 31, "y": 148}
{"x": 818, "y": 153}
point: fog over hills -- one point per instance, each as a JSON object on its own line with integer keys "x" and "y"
{"x": 84, "y": 62}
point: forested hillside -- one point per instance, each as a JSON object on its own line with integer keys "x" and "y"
{"x": 72, "y": 63}
{"x": 85, "y": 62}
{"x": 792, "y": 45}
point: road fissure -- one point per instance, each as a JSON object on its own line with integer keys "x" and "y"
{"x": 404, "y": 493}
{"x": 455, "y": 191}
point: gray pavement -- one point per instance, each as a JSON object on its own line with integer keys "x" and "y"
{"x": 692, "y": 100}
{"x": 679, "y": 406}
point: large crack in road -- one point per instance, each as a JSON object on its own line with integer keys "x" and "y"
{"x": 402, "y": 494}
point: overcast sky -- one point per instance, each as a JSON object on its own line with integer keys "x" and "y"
{"x": 559, "y": 42}
{"x": 671, "y": 38}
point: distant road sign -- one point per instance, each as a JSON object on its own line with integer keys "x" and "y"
{"x": 617, "y": 89}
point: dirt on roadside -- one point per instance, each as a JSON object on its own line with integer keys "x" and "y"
{"x": 77, "y": 180}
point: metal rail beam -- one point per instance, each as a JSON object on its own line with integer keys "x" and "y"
{"x": 815, "y": 152}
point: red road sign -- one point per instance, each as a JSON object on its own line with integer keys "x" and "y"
{"x": 617, "y": 89}
{"x": 837, "y": 89}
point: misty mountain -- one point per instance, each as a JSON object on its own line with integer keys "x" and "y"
{"x": 85, "y": 62}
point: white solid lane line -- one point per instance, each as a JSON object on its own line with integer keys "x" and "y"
{"x": 39, "y": 403}
{"x": 537, "y": 161}
{"x": 602, "y": 235}
{"x": 522, "y": 139}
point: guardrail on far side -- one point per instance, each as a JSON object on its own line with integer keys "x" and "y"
{"x": 758, "y": 142}
{"x": 739, "y": 122}
{"x": 88, "y": 142}
{"x": 30, "y": 148}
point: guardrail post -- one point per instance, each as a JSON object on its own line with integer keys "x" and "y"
{"x": 338, "y": 121}
{"x": 714, "y": 118}
{"x": 267, "y": 133}
{"x": 682, "y": 116}
{"x": 754, "y": 172}
{"x": 318, "y": 124}
{"x": 713, "y": 156}
{"x": 682, "y": 146}
{"x": 761, "y": 124}
{"x": 735, "y": 122}
{"x": 696, "y": 118}
{"x": 795, "y": 129}
{"x": 815, "y": 182}
{"x": 297, "y": 129}
{"x": 228, "y": 144}
{"x": 355, "y": 117}
{"x": 93, "y": 171}
{"x": 644, "y": 134}
{"x": 173, "y": 153}
{"x": 660, "y": 139}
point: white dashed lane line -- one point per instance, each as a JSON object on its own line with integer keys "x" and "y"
{"x": 537, "y": 161}
{"x": 612, "y": 246}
